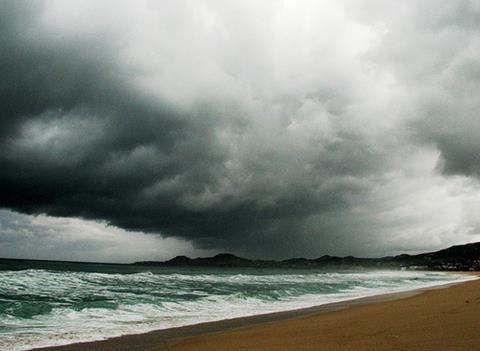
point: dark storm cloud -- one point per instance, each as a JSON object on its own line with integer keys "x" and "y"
{"x": 450, "y": 119}
{"x": 435, "y": 55}
{"x": 202, "y": 127}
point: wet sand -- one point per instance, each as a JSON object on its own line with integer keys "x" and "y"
{"x": 432, "y": 319}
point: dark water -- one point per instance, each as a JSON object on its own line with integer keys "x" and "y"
{"x": 51, "y": 303}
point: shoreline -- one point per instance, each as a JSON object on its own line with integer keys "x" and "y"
{"x": 165, "y": 338}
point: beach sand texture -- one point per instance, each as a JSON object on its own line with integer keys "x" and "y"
{"x": 441, "y": 319}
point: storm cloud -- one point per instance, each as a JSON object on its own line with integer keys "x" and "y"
{"x": 272, "y": 129}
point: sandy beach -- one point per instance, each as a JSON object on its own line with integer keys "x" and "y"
{"x": 445, "y": 318}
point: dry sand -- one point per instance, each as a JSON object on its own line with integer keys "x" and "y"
{"x": 446, "y": 319}
{"x": 441, "y": 319}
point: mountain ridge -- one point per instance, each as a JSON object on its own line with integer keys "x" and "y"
{"x": 464, "y": 257}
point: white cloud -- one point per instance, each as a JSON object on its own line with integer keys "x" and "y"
{"x": 347, "y": 127}
{"x": 74, "y": 239}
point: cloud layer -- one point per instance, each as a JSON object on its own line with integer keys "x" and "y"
{"x": 279, "y": 129}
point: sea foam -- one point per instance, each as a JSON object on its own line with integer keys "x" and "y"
{"x": 47, "y": 307}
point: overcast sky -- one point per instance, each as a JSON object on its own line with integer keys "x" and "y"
{"x": 136, "y": 130}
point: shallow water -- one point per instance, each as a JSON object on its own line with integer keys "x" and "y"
{"x": 57, "y": 303}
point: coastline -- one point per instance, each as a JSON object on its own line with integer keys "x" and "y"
{"x": 191, "y": 337}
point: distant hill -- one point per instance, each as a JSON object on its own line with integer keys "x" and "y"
{"x": 456, "y": 258}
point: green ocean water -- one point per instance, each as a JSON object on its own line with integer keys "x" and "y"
{"x": 54, "y": 303}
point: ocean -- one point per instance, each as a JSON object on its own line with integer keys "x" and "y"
{"x": 56, "y": 303}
